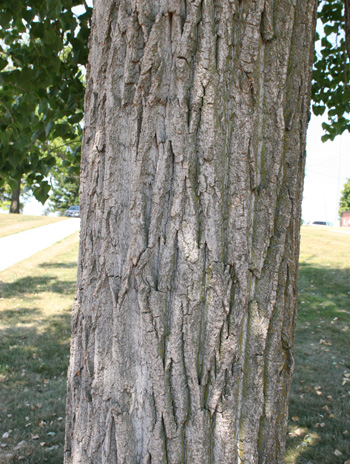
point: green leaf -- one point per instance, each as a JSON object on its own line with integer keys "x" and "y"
{"x": 37, "y": 30}
{"x": 42, "y": 108}
{"x": 29, "y": 14}
{"x": 326, "y": 137}
{"x": 12, "y": 183}
{"x": 3, "y": 63}
{"x": 41, "y": 193}
{"x": 318, "y": 109}
{"x": 61, "y": 130}
{"x": 52, "y": 39}
{"x": 75, "y": 118}
{"x": 5, "y": 18}
{"x": 54, "y": 8}
{"x": 48, "y": 128}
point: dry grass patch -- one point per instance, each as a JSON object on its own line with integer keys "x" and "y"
{"x": 14, "y": 223}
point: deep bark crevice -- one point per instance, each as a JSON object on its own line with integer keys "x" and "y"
{"x": 203, "y": 322}
{"x": 169, "y": 192}
{"x": 170, "y": 296}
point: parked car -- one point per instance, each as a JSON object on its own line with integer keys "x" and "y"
{"x": 73, "y": 211}
{"x": 319, "y": 223}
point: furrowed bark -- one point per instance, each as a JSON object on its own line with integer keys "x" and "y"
{"x": 191, "y": 186}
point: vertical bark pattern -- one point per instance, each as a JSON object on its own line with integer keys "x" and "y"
{"x": 192, "y": 174}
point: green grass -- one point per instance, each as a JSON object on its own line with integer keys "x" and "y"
{"x": 14, "y": 223}
{"x": 320, "y": 398}
{"x": 35, "y": 304}
{"x": 35, "y": 301}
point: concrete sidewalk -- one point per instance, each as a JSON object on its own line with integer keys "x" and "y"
{"x": 17, "y": 247}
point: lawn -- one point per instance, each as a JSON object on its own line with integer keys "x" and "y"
{"x": 319, "y": 430}
{"x": 14, "y": 223}
{"x": 35, "y": 302}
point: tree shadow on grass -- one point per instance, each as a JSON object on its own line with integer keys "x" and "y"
{"x": 34, "y": 285}
{"x": 58, "y": 265}
{"x": 323, "y": 286}
{"x": 37, "y": 351}
{"x": 320, "y": 405}
{"x": 63, "y": 287}
{"x": 19, "y": 314}
{"x": 33, "y": 364}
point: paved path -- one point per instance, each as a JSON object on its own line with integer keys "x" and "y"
{"x": 16, "y": 247}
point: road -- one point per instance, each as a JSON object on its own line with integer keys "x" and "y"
{"x": 14, "y": 248}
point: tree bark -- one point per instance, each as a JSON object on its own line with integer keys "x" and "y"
{"x": 191, "y": 187}
{"x": 15, "y": 200}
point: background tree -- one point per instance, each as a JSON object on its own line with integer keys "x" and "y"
{"x": 65, "y": 192}
{"x": 43, "y": 46}
{"x": 5, "y": 196}
{"x": 192, "y": 172}
{"x": 65, "y": 182}
{"x": 344, "y": 203}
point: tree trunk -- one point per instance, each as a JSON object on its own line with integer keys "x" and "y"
{"x": 15, "y": 199}
{"x": 347, "y": 29}
{"x": 192, "y": 175}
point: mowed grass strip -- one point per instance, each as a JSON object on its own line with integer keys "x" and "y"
{"x": 14, "y": 223}
{"x": 319, "y": 425}
{"x": 36, "y": 296}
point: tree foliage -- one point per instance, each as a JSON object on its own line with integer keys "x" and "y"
{"x": 43, "y": 46}
{"x": 344, "y": 203}
{"x": 331, "y": 86}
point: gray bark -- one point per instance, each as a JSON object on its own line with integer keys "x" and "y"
{"x": 191, "y": 186}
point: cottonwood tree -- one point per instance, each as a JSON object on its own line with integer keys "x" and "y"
{"x": 191, "y": 186}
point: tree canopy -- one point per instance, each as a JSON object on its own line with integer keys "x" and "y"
{"x": 43, "y": 50}
{"x": 43, "y": 47}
